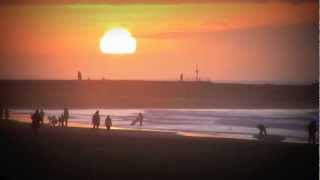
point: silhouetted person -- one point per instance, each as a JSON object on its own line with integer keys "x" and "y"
{"x": 1, "y": 113}
{"x": 96, "y": 120}
{"x": 66, "y": 116}
{"x": 139, "y": 119}
{"x": 61, "y": 121}
{"x": 312, "y": 129}
{"x": 79, "y": 75}
{"x": 41, "y": 116}
{"x": 262, "y": 130}
{"x": 35, "y": 124}
{"x": 108, "y": 122}
{"x": 181, "y": 77}
{"x": 6, "y": 114}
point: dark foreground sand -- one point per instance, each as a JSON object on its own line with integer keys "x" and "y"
{"x": 96, "y": 154}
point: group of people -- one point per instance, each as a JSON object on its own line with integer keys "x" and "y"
{"x": 4, "y": 113}
{"x": 108, "y": 121}
{"x": 96, "y": 121}
{"x": 62, "y": 120}
{"x": 38, "y": 118}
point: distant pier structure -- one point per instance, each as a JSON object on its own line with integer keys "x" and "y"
{"x": 79, "y": 75}
{"x": 197, "y": 73}
{"x": 181, "y": 77}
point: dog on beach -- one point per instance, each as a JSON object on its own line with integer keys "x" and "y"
{"x": 52, "y": 121}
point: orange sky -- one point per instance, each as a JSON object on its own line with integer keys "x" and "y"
{"x": 237, "y": 41}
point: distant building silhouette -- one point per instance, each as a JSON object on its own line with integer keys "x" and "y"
{"x": 79, "y": 75}
{"x": 197, "y": 73}
{"x": 181, "y": 77}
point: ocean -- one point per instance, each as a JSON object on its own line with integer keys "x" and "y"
{"x": 290, "y": 125}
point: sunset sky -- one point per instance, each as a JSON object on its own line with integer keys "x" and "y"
{"x": 249, "y": 40}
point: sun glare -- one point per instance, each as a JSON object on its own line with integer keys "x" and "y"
{"x": 118, "y": 41}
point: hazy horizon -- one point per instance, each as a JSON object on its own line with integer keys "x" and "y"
{"x": 247, "y": 41}
{"x": 175, "y": 80}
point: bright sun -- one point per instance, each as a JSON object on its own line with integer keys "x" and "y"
{"x": 118, "y": 41}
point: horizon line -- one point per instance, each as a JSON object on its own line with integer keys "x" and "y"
{"x": 260, "y": 82}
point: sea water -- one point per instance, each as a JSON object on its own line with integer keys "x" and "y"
{"x": 241, "y": 123}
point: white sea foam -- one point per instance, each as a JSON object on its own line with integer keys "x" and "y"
{"x": 290, "y": 124}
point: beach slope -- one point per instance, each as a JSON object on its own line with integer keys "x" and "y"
{"x": 96, "y": 154}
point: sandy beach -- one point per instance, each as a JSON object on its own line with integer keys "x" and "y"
{"x": 96, "y": 154}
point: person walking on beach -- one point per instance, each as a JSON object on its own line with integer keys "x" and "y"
{"x": 66, "y": 116}
{"x": 262, "y": 130}
{"x": 108, "y": 122}
{"x": 61, "y": 120}
{"x": 312, "y": 129}
{"x": 1, "y": 113}
{"x": 96, "y": 120}
{"x": 139, "y": 119}
{"x": 35, "y": 124}
{"x": 41, "y": 116}
{"x": 6, "y": 114}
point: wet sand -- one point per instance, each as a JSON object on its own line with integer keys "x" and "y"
{"x": 96, "y": 154}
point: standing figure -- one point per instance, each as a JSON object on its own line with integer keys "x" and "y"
{"x": 6, "y": 114}
{"x": 312, "y": 129}
{"x": 96, "y": 120}
{"x": 41, "y": 116}
{"x": 139, "y": 119}
{"x": 66, "y": 116}
{"x": 108, "y": 123}
{"x": 35, "y": 124}
{"x": 1, "y": 113}
{"x": 262, "y": 130}
{"x": 61, "y": 121}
